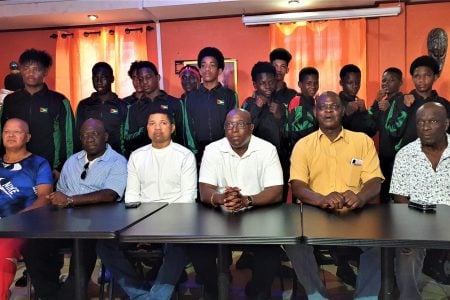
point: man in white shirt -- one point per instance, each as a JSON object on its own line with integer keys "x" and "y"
{"x": 421, "y": 174}
{"x": 238, "y": 172}
{"x": 162, "y": 171}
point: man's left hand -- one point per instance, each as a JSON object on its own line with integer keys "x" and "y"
{"x": 274, "y": 108}
{"x": 58, "y": 199}
{"x": 352, "y": 201}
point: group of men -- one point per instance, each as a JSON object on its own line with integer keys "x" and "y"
{"x": 245, "y": 157}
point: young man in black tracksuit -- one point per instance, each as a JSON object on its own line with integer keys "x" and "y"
{"x": 381, "y": 112}
{"x": 104, "y": 105}
{"x": 269, "y": 118}
{"x": 205, "y": 109}
{"x": 136, "y": 123}
{"x": 48, "y": 113}
{"x": 356, "y": 117}
{"x": 280, "y": 59}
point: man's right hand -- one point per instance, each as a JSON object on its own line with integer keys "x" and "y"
{"x": 333, "y": 200}
{"x": 351, "y": 108}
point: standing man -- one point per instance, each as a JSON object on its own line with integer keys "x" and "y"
{"x": 174, "y": 179}
{"x": 280, "y": 59}
{"x": 205, "y": 109}
{"x": 422, "y": 175}
{"x": 238, "y": 172}
{"x": 153, "y": 98}
{"x": 138, "y": 90}
{"x": 97, "y": 174}
{"x": 48, "y": 113}
{"x": 104, "y": 105}
{"x": 356, "y": 117}
{"x": 335, "y": 168}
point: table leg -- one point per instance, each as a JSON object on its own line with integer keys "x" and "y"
{"x": 223, "y": 281}
{"x": 79, "y": 285}
{"x": 387, "y": 273}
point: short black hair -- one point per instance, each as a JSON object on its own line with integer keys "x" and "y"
{"x": 262, "y": 67}
{"x": 424, "y": 61}
{"x": 307, "y": 71}
{"x": 147, "y": 64}
{"x": 164, "y": 111}
{"x": 102, "y": 65}
{"x": 14, "y": 82}
{"x": 39, "y": 56}
{"x": 133, "y": 67}
{"x": 350, "y": 68}
{"x": 214, "y": 52}
{"x": 280, "y": 53}
{"x": 396, "y": 72}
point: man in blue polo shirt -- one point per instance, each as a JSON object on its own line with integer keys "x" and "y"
{"x": 94, "y": 175}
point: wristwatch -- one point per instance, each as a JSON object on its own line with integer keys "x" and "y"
{"x": 249, "y": 201}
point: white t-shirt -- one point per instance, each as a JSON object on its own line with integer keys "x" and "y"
{"x": 162, "y": 175}
{"x": 258, "y": 168}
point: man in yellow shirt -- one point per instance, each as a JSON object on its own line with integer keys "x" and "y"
{"x": 334, "y": 168}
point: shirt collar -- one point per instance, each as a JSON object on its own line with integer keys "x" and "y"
{"x": 343, "y": 134}
{"x": 226, "y": 147}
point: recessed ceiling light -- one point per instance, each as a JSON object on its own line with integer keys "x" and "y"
{"x": 92, "y": 17}
{"x": 293, "y": 2}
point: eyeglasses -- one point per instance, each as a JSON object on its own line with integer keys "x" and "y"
{"x": 84, "y": 173}
{"x": 93, "y": 134}
{"x": 239, "y": 125}
{"x": 329, "y": 106}
{"x": 430, "y": 123}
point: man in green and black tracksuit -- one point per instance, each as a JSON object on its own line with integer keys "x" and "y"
{"x": 424, "y": 71}
{"x": 205, "y": 109}
{"x": 47, "y": 112}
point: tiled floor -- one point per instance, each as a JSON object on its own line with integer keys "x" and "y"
{"x": 192, "y": 291}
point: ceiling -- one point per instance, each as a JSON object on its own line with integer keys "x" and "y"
{"x": 26, "y": 14}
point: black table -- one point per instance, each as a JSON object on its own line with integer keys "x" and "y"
{"x": 385, "y": 225}
{"x": 196, "y": 223}
{"x": 101, "y": 221}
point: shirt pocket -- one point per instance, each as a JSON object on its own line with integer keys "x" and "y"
{"x": 353, "y": 179}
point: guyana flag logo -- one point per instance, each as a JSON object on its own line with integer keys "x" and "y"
{"x": 43, "y": 109}
{"x": 220, "y": 102}
{"x": 164, "y": 106}
{"x": 113, "y": 111}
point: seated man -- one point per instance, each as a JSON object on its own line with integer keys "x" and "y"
{"x": 96, "y": 174}
{"x": 421, "y": 174}
{"x": 162, "y": 171}
{"x": 334, "y": 168}
{"x": 238, "y": 172}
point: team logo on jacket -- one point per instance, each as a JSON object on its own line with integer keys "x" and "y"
{"x": 220, "y": 102}
{"x": 113, "y": 111}
{"x": 164, "y": 106}
{"x": 43, "y": 109}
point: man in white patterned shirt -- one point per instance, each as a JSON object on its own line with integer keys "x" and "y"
{"x": 421, "y": 174}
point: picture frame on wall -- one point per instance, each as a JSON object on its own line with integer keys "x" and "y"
{"x": 228, "y": 78}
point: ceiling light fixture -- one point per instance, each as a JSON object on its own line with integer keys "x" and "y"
{"x": 293, "y": 2}
{"x": 92, "y": 17}
{"x": 322, "y": 15}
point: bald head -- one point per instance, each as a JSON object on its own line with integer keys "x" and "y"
{"x": 436, "y": 107}
{"x": 432, "y": 124}
{"x": 93, "y": 138}
{"x": 19, "y": 123}
{"x": 242, "y": 113}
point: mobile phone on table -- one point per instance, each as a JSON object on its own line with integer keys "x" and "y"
{"x": 132, "y": 204}
{"x": 425, "y": 207}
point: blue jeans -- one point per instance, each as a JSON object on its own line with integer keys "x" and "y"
{"x": 125, "y": 275}
{"x": 368, "y": 282}
{"x": 408, "y": 268}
